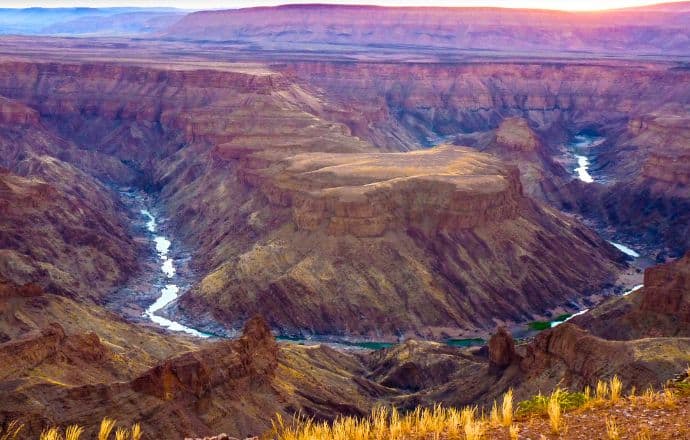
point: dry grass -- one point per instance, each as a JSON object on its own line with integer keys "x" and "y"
{"x": 612, "y": 431}
{"x": 507, "y": 409}
{"x": 73, "y": 432}
{"x": 555, "y": 413}
{"x": 500, "y": 422}
{"x": 136, "y": 432}
{"x": 384, "y": 423}
{"x": 12, "y": 431}
{"x": 514, "y": 432}
{"x": 616, "y": 387}
{"x": 106, "y": 428}
{"x": 602, "y": 392}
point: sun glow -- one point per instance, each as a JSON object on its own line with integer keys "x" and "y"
{"x": 581, "y": 5}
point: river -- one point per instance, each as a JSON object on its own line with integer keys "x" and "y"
{"x": 581, "y": 147}
{"x": 170, "y": 290}
{"x": 167, "y": 283}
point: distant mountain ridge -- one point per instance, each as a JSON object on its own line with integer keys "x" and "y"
{"x": 86, "y": 21}
{"x": 661, "y": 28}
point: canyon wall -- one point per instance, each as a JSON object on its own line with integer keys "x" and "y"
{"x": 290, "y": 215}
{"x": 640, "y": 109}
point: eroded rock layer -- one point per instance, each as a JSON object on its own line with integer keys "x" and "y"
{"x": 292, "y": 216}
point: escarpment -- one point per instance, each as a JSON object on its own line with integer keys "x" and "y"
{"x": 409, "y": 236}
{"x": 659, "y": 309}
{"x": 639, "y": 109}
{"x": 291, "y": 216}
{"x": 365, "y": 195}
{"x": 667, "y": 290}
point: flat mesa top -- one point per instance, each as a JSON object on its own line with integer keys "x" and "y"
{"x": 363, "y": 172}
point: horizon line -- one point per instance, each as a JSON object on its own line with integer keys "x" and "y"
{"x": 158, "y": 5}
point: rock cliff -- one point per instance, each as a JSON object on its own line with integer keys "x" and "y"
{"x": 658, "y": 309}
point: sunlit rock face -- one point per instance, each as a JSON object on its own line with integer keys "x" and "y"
{"x": 286, "y": 210}
{"x": 528, "y": 113}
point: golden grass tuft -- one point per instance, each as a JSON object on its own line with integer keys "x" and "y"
{"x": 514, "y": 432}
{"x": 602, "y": 391}
{"x": 553, "y": 409}
{"x": 122, "y": 434}
{"x": 136, "y": 432}
{"x": 494, "y": 417}
{"x": 106, "y": 428}
{"x": 612, "y": 431}
{"x": 12, "y": 431}
{"x": 51, "y": 434}
{"x": 73, "y": 432}
{"x": 507, "y": 409}
{"x": 669, "y": 398}
{"x": 615, "y": 387}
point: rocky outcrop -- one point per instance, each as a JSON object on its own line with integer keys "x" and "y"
{"x": 570, "y": 353}
{"x": 516, "y": 134}
{"x": 501, "y": 351}
{"x": 660, "y": 309}
{"x": 252, "y": 356}
{"x": 324, "y": 222}
{"x": 15, "y": 113}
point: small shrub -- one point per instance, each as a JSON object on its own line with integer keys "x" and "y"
{"x": 538, "y": 404}
{"x": 539, "y": 325}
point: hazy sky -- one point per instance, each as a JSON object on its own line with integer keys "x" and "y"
{"x": 227, "y": 4}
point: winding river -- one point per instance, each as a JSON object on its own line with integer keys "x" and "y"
{"x": 169, "y": 288}
{"x": 170, "y": 291}
{"x": 581, "y": 146}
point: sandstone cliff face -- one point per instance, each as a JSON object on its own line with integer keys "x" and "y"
{"x": 476, "y": 96}
{"x": 667, "y": 290}
{"x": 659, "y": 309}
{"x": 572, "y": 354}
{"x": 639, "y": 108}
{"x": 56, "y": 216}
{"x": 325, "y": 242}
{"x": 366, "y": 195}
{"x": 410, "y": 237}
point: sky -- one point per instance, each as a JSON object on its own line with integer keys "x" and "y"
{"x": 229, "y": 4}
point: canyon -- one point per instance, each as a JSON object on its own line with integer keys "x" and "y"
{"x": 170, "y": 205}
